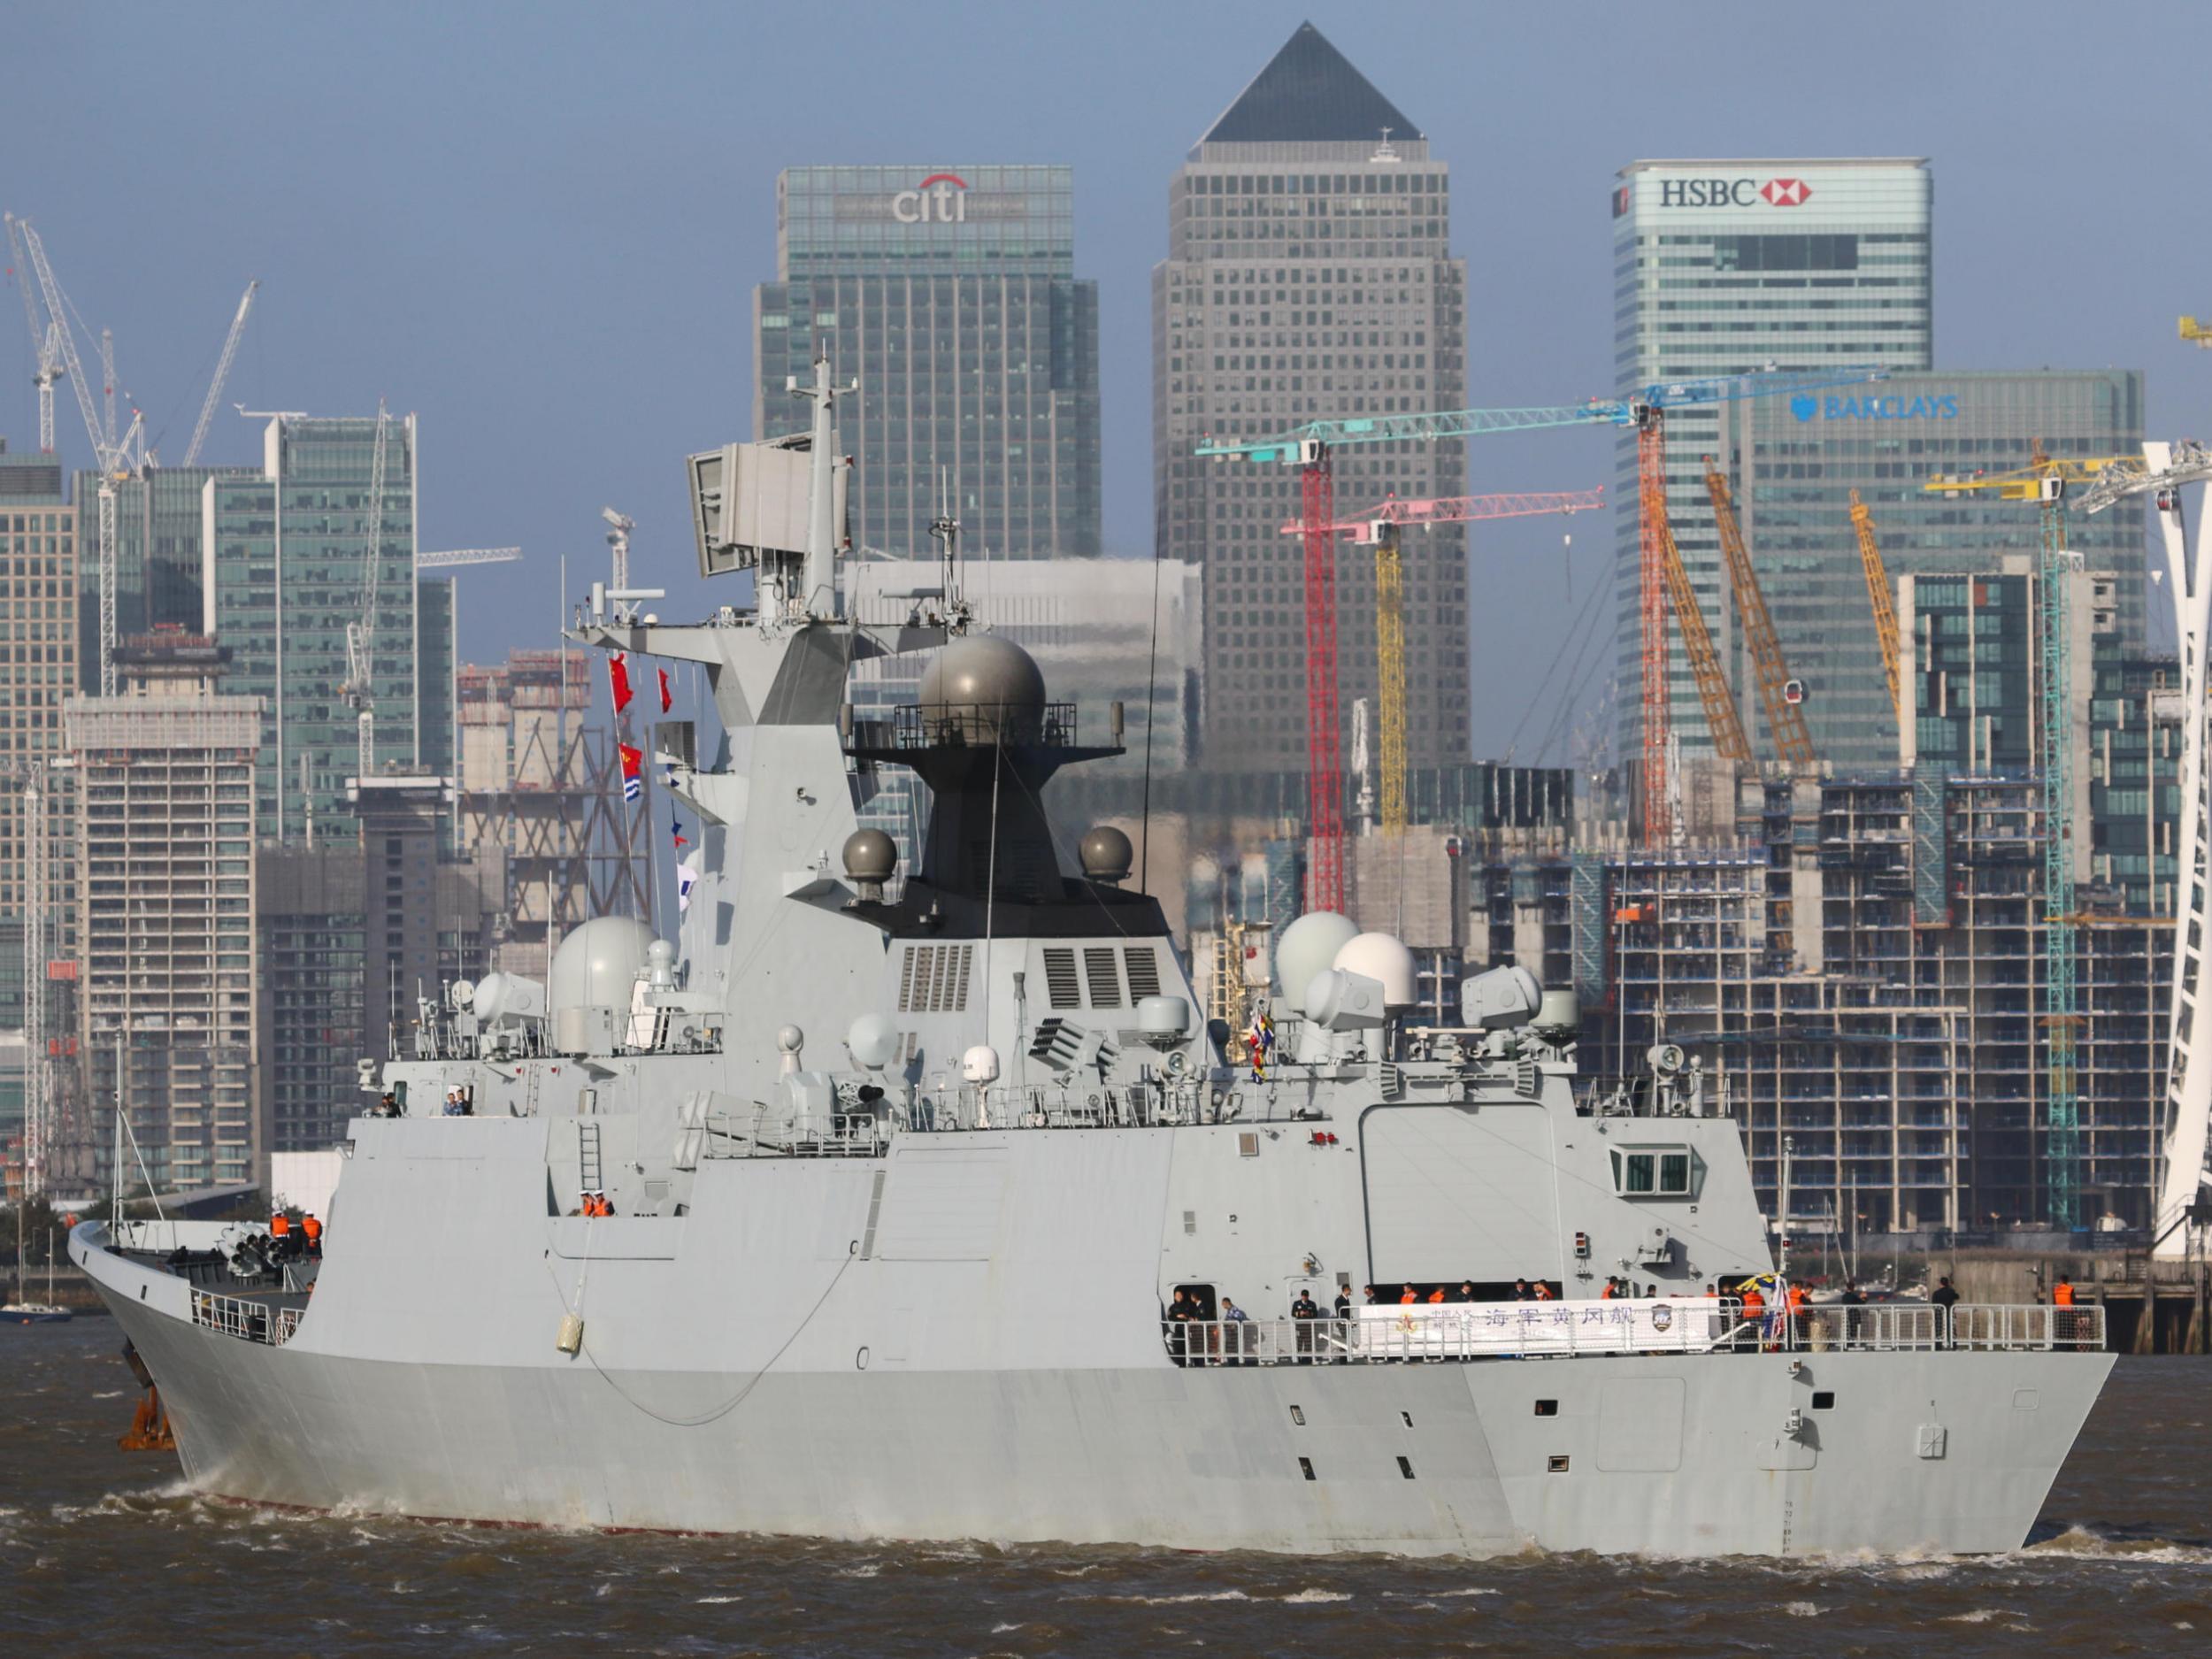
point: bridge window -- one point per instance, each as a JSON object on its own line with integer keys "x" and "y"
{"x": 1655, "y": 1171}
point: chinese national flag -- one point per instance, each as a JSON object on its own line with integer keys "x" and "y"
{"x": 667, "y": 701}
{"x": 632, "y": 760}
{"x": 619, "y": 678}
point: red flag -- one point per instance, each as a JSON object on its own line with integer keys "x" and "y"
{"x": 619, "y": 677}
{"x": 632, "y": 759}
{"x": 667, "y": 702}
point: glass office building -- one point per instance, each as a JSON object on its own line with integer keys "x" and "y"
{"x": 159, "y": 565}
{"x": 284, "y": 565}
{"x": 950, "y": 294}
{"x": 1309, "y": 274}
{"x": 1795, "y": 463}
{"x": 1730, "y": 267}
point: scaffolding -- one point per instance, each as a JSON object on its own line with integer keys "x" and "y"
{"x": 541, "y": 784}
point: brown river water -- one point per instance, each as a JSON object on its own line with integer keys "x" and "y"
{"x": 103, "y": 1551}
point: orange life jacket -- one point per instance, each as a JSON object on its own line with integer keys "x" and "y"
{"x": 1407, "y": 1300}
{"x": 2063, "y": 1296}
{"x": 279, "y": 1225}
{"x": 1436, "y": 1295}
{"x": 1543, "y": 1290}
{"x": 312, "y": 1228}
{"x": 1797, "y": 1298}
{"x": 1754, "y": 1304}
{"x": 1607, "y": 1293}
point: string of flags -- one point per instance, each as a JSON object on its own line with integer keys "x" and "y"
{"x": 1261, "y": 1040}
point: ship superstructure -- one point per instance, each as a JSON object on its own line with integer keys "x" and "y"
{"x": 925, "y": 1203}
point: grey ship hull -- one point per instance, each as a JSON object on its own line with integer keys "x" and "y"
{"x": 1671, "y": 1455}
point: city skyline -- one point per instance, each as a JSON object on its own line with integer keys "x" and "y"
{"x": 584, "y": 227}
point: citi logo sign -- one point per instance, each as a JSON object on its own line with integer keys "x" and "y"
{"x": 1734, "y": 192}
{"x": 939, "y": 199}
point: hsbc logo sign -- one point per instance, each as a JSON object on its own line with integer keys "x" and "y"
{"x": 1734, "y": 192}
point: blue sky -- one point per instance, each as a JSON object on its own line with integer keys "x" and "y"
{"x": 538, "y": 227}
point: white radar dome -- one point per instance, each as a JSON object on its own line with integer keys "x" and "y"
{"x": 597, "y": 964}
{"x": 979, "y": 1064}
{"x": 874, "y": 1042}
{"x": 1380, "y": 958}
{"x": 1309, "y": 947}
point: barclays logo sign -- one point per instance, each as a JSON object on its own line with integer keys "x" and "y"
{"x": 1843, "y": 406}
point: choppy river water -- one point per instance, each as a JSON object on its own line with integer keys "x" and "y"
{"x": 99, "y": 1550}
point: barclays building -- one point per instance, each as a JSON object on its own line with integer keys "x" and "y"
{"x": 1795, "y": 462}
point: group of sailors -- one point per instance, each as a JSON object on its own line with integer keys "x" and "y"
{"x": 595, "y": 1202}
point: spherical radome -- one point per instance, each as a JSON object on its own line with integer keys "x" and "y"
{"x": 1106, "y": 854}
{"x": 871, "y": 856}
{"x": 596, "y": 965}
{"x": 1382, "y": 957}
{"x": 983, "y": 671}
{"x": 1309, "y": 947}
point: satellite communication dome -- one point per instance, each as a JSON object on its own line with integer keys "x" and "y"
{"x": 1106, "y": 854}
{"x": 871, "y": 856}
{"x": 1309, "y": 947}
{"x": 1381, "y": 957}
{"x": 981, "y": 682}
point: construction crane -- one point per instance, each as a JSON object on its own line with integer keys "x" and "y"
{"x": 618, "y": 542}
{"x": 1878, "y": 596}
{"x": 2163, "y": 473}
{"x": 359, "y": 690}
{"x": 1380, "y": 530}
{"x": 222, "y": 374}
{"x": 1308, "y": 447}
{"x": 1778, "y": 693}
{"x": 1657, "y": 547}
{"x": 44, "y": 344}
{"x": 2045, "y": 481}
{"x": 2196, "y": 332}
{"x": 467, "y": 555}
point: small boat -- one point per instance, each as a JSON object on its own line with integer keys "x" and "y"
{"x": 23, "y": 1312}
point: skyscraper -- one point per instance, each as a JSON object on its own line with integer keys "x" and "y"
{"x": 950, "y": 294}
{"x": 166, "y": 910}
{"x": 1796, "y": 461}
{"x": 38, "y": 669}
{"x": 159, "y": 565}
{"x": 1308, "y": 274}
{"x": 1728, "y": 267}
{"x": 284, "y": 551}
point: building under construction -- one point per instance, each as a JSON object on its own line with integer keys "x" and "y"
{"x": 542, "y": 783}
{"x": 1859, "y": 971}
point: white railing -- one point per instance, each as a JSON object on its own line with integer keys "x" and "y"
{"x": 248, "y": 1320}
{"x": 1692, "y": 1324}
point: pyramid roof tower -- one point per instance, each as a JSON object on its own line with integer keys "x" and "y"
{"x": 1309, "y": 93}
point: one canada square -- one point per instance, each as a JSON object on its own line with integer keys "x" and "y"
{"x": 1308, "y": 275}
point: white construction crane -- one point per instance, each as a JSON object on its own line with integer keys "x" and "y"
{"x": 359, "y": 690}
{"x": 222, "y": 374}
{"x": 44, "y": 345}
{"x": 2183, "y": 1218}
{"x": 618, "y": 539}
{"x": 467, "y": 555}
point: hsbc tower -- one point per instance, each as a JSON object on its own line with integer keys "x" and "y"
{"x": 1729, "y": 266}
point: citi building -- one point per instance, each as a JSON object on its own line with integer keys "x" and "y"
{"x": 949, "y": 292}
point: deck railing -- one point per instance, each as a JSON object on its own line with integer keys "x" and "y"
{"x": 248, "y": 1320}
{"x": 1478, "y": 1331}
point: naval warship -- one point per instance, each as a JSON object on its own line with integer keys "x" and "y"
{"x": 927, "y": 1205}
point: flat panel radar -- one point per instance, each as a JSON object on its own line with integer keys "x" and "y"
{"x": 751, "y": 500}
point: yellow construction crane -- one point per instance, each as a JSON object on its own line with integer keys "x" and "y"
{"x": 2196, "y": 332}
{"x": 1721, "y": 718}
{"x": 1878, "y": 593}
{"x": 1778, "y": 692}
